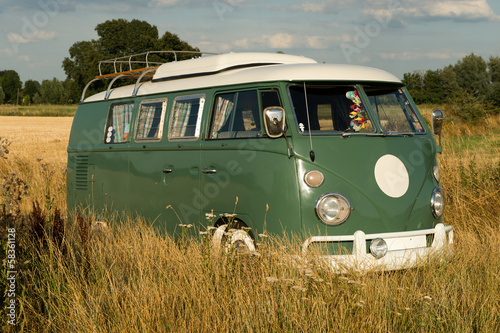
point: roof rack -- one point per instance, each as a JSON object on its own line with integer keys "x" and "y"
{"x": 133, "y": 66}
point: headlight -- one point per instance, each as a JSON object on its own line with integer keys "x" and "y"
{"x": 333, "y": 208}
{"x": 378, "y": 248}
{"x": 435, "y": 171}
{"x": 437, "y": 202}
{"x": 314, "y": 178}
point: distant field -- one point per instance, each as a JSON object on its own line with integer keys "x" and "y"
{"x": 38, "y": 110}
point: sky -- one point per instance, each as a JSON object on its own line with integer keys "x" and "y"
{"x": 399, "y": 36}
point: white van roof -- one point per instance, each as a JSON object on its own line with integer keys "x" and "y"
{"x": 239, "y": 68}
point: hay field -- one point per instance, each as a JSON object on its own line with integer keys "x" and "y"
{"x": 37, "y": 137}
{"x": 132, "y": 280}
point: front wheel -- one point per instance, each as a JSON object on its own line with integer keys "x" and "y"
{"x": 233, "y": 239}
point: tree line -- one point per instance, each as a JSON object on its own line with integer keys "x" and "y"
{"x": 117, "y": 38}
{"x": 471, "y": 87}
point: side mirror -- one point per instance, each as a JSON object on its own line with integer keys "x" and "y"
{"x": 274, "y": 121}
{"x": 437, "y": 119}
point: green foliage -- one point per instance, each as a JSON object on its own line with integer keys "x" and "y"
{"x": 52, "y": 92}
{"x": 472, "y": 74}
{"x": 471, "y": 87}
{"x": 11, "y": 83}
{"x": 2, "y": 95}
{"x": 117, "y": 38}
{"x": 31, "y": 87}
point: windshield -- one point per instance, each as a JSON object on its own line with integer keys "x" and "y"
{"x": 393, "y": 110}
{"x": 339, "y": 109}
{"x": 332, "y": 109}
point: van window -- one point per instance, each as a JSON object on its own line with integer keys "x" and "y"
{"x": 393, "y": 110}
{"x": 332, "y": 109}
{"x": 150, "y": 120}
{"x": 186, "y": 117}
{"x": 236, "y": 115}
{"x": 118, "y": 126}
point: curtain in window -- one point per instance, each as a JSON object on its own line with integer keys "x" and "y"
{"x": 224, "y": 108}
{"x": 122, "y": 115}
{"x": 146, "y": 117}
{"x": 182, "y": 112}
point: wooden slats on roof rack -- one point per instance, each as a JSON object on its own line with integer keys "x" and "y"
{"x": 132, "y": 73}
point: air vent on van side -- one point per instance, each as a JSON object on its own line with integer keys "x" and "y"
{"x": 81, "y": 173}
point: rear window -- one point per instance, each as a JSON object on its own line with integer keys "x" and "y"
{"x": 118, "y": 125}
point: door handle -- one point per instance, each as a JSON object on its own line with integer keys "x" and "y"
{"x": 209, "y": 170}
{"x": 165, "y": 170}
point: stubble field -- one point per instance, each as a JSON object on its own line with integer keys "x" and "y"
{"x": 131, "y": 279}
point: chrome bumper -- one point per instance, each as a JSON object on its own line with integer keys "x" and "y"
{"x": 405, "y": 249}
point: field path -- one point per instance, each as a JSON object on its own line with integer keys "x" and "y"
{"x": 37, "y": 137}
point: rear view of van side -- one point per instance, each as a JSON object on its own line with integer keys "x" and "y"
{"x": 338, "y": 155}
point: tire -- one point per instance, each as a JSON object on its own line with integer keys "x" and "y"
{"x": 233, "y": 239}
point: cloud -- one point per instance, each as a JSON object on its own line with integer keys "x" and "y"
{"x": 37, "y": 36}
{"x": 280, "y": 41}
{"x": 23, "y": 58}
{"x": 163, "y": 3}
{"x": 459, "y": 10}
{"x": 7, "y": 52}
{"x": 418, "y": 55}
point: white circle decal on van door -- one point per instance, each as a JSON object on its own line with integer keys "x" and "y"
{"x": 391, "y": 176}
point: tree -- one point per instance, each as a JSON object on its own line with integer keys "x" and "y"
{"x": 2, "y": 95}
{"x": 11, "y": 84}
{"x": 52, "y": 92}
{"x": 414, "y": 82}
{"x": 31, "y": 87}
{"x": 449, "y": 82}
{"x": 433, "y": 88}
{"x": 117, "y": 38}
{"x": 472, "y": 75}
{"x": 494, "y": 69}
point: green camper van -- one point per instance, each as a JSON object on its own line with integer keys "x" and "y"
{"x": 337, "y": 155}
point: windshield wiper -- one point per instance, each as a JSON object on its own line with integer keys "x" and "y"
{"x": 384, "y": 134}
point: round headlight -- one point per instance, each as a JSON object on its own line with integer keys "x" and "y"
{"x": 314, "y": 178}
{"x": 333, "y": 208}
{"x": 435, "y": 171}
{"x": 378, "y": 248}
{"x": 437, "y": 202}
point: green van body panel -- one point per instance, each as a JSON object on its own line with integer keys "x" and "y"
{"x": 170, "y": 182}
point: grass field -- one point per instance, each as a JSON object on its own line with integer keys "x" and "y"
{"x": 129, "y": 279}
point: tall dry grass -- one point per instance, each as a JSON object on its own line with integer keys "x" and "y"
{"x": 130, "y": 279}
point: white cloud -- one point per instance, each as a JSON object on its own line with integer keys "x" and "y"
{"x": 309, "y": 7}
{"x": 283, "y": 41}
{"x": 16, "y": 38}
{"x": 8, "y": 52}
{"x": 419, "y": 55}
{"x": 163, "y": 3}
{"x": 460, "y": 10}
{"x": 465, "y": 10}
{"x": 23, "y": 58}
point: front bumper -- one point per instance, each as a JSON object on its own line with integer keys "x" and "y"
{"x": 405, "y": 249}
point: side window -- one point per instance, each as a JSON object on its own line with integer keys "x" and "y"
{"x": 150, "y": 120}
{"x": 186, "y": 117}
{"x": 118, "y": 126}
{"x": 236, "y": 115}
{"x": 269, "y": 98}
